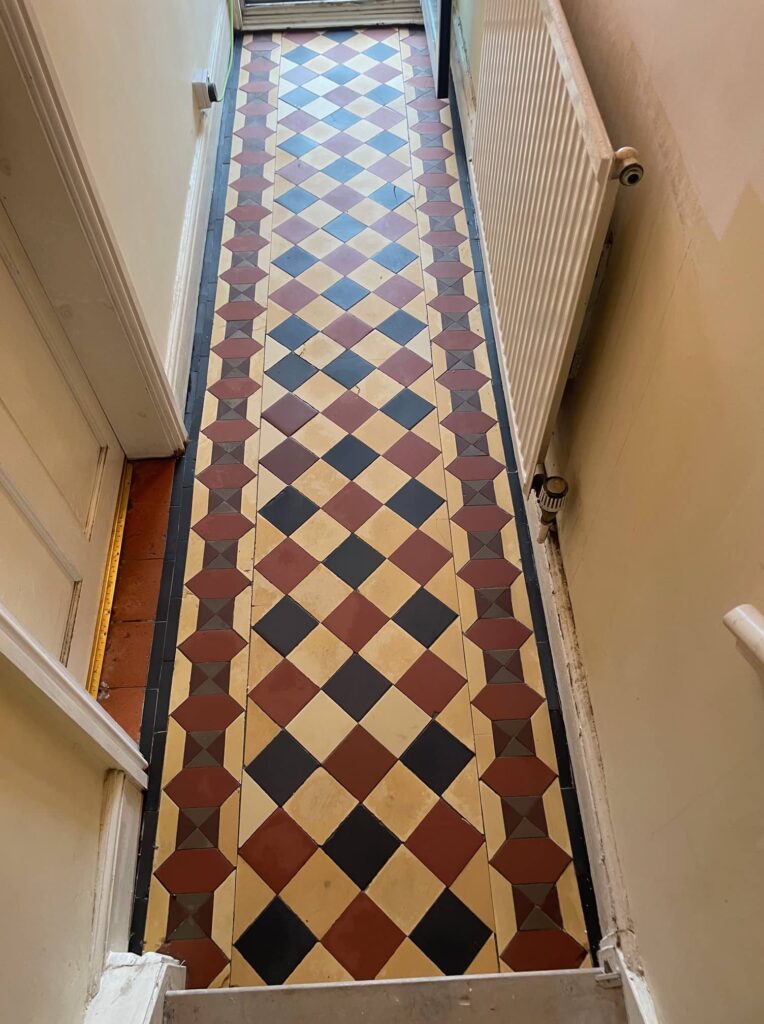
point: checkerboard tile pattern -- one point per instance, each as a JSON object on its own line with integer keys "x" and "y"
{"x": 359, "y": 777}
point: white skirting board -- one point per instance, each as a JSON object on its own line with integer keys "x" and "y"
{"x": 133, "y": 989}
{"x": 330, "y": 14}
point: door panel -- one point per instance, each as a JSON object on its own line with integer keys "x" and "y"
{"x": 60, "y": 467}
{"x": 437, "y": 26}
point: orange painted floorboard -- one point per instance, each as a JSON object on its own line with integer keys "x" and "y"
{"x": 359, "y": 778}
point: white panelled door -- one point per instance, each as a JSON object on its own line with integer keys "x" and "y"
{"x": 60, "y": 469}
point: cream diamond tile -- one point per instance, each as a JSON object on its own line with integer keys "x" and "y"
{"x": 252, "y": 896}
{"x": 392, "y": 651}
{"x": 405, "y": 889}
{"x": 319, "y": 244}
{"x": 408, "y": 961}
{"x": 319, "y": 435}
{"x": 378, "y": 388}
{"x": 380, "y": 433}
{"x": 486, "y": 962}
{"x": 319, "y": 805}
{"x": 321, "y": 726}
{"x": 255, "y": 807}
{"x": 259, "y": 732}
{"x": 375, "y": 348}
{"x": 321, "y": 482}
{"x": 320, "y": 654}
{"x": 320, "y": 592}
{"x": 317, "y": 968}
{"x": 464, "y": 795}
{"x": 319, "y": 276}
{"x": 394, "y": 720}
{"x": 385, "y": 530}
{"x": 457, "y": 718}
{"x": 400, "y": 801}
{"x": 320, "y": 313}
{"x": 320, "y": 535}
{"x": 473, "y": 888}
{"x": 319, "y": 213}
{"x": 388, "y": 587}
{"x": 382, "y": 479}
{"x": 320, "y": 131}
{"x": 320, "y": 350}
{"x": 319, "y": 893}
{"x": 320, "y": 391}
{"x": 240, "y": 974}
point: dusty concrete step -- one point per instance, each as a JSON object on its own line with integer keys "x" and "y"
{"x": 551, "y": 997}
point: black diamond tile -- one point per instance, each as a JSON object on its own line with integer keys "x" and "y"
{"x": 275, "y": 943}
{"x": 282, "y": 767}
{"x": 356, "y": 687}
{"x": 361, "y": 846}
{"x": 285, "y": 626}
{"x": 292, "y": 332}
{"x": 424, "y": 617}
{"x": 295, "y": 261}
{"x": 437, "y": 757}
{"x": 292, "y": 371}
{"x": 348, "y": 369}
{"x": 350, "y": 456}
{"x": 407, "y": 408}
{"x": 353, "y": 561}
{"x": 289, "y": 510}
{"x": 414, "y": 502}
{"x": 450, "y": 934}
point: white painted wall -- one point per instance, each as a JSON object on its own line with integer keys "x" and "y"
{"x": 125, "y": 73}
{"x": 662, "y": 438}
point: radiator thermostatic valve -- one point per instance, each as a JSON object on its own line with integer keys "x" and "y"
{"x": 551, "y": 492}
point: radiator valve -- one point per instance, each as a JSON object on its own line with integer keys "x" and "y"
{"x": 626, "y": 166}
{"x": 551, "y": 492}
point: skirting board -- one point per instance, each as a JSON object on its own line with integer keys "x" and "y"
{"x": 133, "y": 989}
{"x": 191, "y": 248}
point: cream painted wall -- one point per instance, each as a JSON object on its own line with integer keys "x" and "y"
{"x": 662, "y": 439}
{"x": 50, "y": 808}
{"x": 470, "y": 15}
{"x": 125, "y": 70}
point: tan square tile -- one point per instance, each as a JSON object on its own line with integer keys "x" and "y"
{"x": 385, "y": 530}
{"x": 381, "y": 478}
{"x": 320, "y": 350}
{"x": 319, "y": 805}
{"x": 380, "y": 433}
{"x": 320, "y": 312}
{"x": 319, "y": 893}
{"x": 395, "y": 721}
{"x": 375, "y": 348}
{"x": 405, "y": 889}
{"x": 320, "y": 535}
{"x": 388, "y": 588}
{"x": 320, "y": 655}
{"x": 392, "y": 651}
{"x": 320, "y": 592}
{"x": 321, "y": 482}
{"x": 321, "y": 726}
{"x": 320, "y": 391}
{"x": 319, "y": 276}
{"x": 319, "y": 435}
{"x": 378, "y": 388}
{"x": 401, "y": 800}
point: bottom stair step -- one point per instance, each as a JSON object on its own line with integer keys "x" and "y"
{"x": 549, "y": 997}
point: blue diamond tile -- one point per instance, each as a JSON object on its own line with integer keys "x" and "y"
{"x": 341, "y": 74}
{"x": 298, "y": 145}
{"x": 295, "y": 261}
{"x": 344, "y": 227}
{"x": 386, "y": 142}
{"x": 291, "y": 372}
{"x": 300, "y": 55}
{"x": 379, "y": 51}
{"x": 342, "y": 169}
{"x": 298, "y": 97}
{"x": 299, "y": 75}
{"x": 296, "y": 200}
{"x": 407, "y": 408}
{"x": 340, "y": 35}
{"x": 414, "y": 502}
{"x": 348, "y": 369}
{"x": 394, "y": 257}
{"x": 292, "y": 332}
{"x": 390, "y": 196}
{"x": 341, "y": 119}
{"x": 401, "y": 327}
{"x": 350, "y": 456}
{"x": 384, "y": 94}
{"x": 345, "y": 293}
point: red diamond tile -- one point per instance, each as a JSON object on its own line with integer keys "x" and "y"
{"x": 458, "y": 341}
{"x": 363, "y": 938}
{"x": 342, "y": 144}
{"x": 204, "y": 960}
{"x": 297, "y": 121}
{"x": 339, "y": 54}
{"x": 355, "y": 621}
{"x": 297, "y": 172}
{"x": 288, "y": 460}
{"x": 405, "y": 366}
{"x": 530, "y": 861}
{"x": 519, "y": 776}
{"x": 295, "y": 229}
{"x": 223, "y": 526}
{"x": 444, "y": 842}
{"x": 498, "y": 634}
{"x": 226, "y": 476}
{"x": 341, "y": 95}
{"x": 236, "y": 348}
{"x": 289, "y": 414}
{"x": 476, "y": 467}
{"x": 238, "y": 429}
{"x": 212, "y": 645}
{"x": 352, "y": 506}
{"x": 243, "y": 275}
{"x": 420, "y": 557}
{"x": 245, "y": 309}
{"x": 278, "y": 849}
{"x": 293, "y": 296}
{"x": 430, "y": 683}
{"x": 462, "y": 380}
{"x": 359, "y": 763}
{"x": 481, "y": 518}
{"x": 286, "y": 565}
{"x": 382, "y": 73}
{"x": 411, "y": 454}
{"x": 393, "y": 226}
{"x": 384, "y": 117}
{"x": 250, "y": 183}
{"x": 489, "y": 572}
{"x": 194, "y": 871}
{"x": 442, "y": 208}
{"x": 234, "y": 387}
{"x": 283, "y": 693}
{"x": 247, "y": 241}
{"x": 252, "y": 213}
{"x": 347, "y": 330}
{"x": 398, "y": 291}
{"x": 344, "y": 259}
{"x": 209, "y": 786}
{"x": 349, "y": 411}
{"x": 207, "y": 711}
{"x": 343, "y": 198}
{"x": 505, "y": 701}
{"x": 217, "y": 583}
{"x": 543, "y": 950}
{"x": 388, "y": 168}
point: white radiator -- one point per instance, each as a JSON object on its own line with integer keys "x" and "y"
{"x": 545, "y": 178}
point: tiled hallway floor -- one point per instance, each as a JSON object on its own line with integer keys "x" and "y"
{"x": 359, "y": 777}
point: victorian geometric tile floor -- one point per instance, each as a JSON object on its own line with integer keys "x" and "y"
{"x": 359, "y": 778}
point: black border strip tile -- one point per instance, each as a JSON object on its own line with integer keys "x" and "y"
{"x": 567, "y": 782}
{"x": 156, "y": 706}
